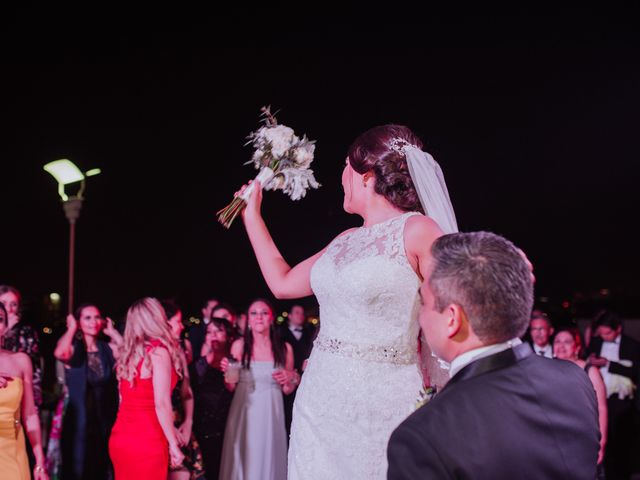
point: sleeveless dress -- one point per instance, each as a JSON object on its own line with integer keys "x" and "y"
{"x": 90, "y": 412}
{"x": 138, "y": 448}
{"x": 362, "y": 378}
{"x": 14, "y": 464}
{"x": 255, "y": 441}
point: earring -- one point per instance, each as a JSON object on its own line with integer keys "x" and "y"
{"x": 364, "y": 184}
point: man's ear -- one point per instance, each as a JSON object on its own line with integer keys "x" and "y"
{"x": 455, "y": 320}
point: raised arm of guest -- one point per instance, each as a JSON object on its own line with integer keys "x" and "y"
{"x": 115, "y": 339}
{"x": 64, "y": 347}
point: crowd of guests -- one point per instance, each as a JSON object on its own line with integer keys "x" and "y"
{"x": 159, "y": 399}
{"x": 611, "y": 360}
{"x": 214, "y": 399}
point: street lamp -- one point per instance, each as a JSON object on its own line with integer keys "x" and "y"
{"x": 65, "y": 172}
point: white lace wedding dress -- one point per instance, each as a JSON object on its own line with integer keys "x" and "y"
{"x": 363, "y": 377}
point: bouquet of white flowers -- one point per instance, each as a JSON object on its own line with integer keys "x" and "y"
{"x": 283, "y": 159}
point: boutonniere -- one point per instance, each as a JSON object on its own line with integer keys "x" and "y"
{"x": 424, "y": 395}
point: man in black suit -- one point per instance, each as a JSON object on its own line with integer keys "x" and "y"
{"x": 618, "y": 357}
{"x": 198, "y": 330}
{"x": 506, "y": 412}
{"x": 541, "y": 331}
{"x": 300, "y": 335}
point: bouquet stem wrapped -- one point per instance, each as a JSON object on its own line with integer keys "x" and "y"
{"x": 283, "y": 160}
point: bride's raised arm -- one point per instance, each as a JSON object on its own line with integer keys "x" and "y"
{"x": 283, "y": 280}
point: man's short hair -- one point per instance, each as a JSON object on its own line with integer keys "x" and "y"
{"x": 540, "y": 315}
{"x": 607, "y": 318}
{"x": 487, "y": 276}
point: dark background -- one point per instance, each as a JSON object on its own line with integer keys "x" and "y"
{"x": 533, "y": 116}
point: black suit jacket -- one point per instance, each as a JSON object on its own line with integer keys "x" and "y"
{"x": 302, "y": 347}
{"x": 512, "y": 415}
{"x": 196, "y": 334}
{"x": 629, "y": 350}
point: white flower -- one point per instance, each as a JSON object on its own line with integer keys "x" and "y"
{"x": 280, "y": 138}
{"x": 257, "y": 157}
{"x": 303, "y": 155}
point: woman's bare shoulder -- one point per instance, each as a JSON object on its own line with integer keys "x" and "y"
{"x": 422, "y": 224}
{"x": 16, "y": 363}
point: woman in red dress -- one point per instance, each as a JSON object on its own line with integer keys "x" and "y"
{"x": 143, "y": 441}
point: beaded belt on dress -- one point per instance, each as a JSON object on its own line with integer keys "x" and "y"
{"x": 376, "y": 353}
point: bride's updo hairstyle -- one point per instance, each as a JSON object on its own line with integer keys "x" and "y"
{"x": 372, "y": 152}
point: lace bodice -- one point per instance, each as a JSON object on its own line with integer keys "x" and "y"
{"x": 366, "y": 288}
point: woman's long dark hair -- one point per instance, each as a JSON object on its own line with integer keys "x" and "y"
{"x": 278, "y": 346}
{"x": 77, "y": 313}
{"x": 223, "y": 324}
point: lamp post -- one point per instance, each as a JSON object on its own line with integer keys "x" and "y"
{"x": 65, "y": 172}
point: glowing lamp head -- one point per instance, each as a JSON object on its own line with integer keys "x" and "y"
{"x": 66, "y": 172}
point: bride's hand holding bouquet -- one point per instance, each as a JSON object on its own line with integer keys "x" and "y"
{"x": 283, "y": 159}
{"x": 252, "y": 211}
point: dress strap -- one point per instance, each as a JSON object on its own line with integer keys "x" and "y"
{"x": 149, "y": 346}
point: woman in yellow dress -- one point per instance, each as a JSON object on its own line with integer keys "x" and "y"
{"x": 17, "y": 408}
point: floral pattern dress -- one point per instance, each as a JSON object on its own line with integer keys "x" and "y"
{"x": 192, "y": 455}
{"x": 23, "y": 338}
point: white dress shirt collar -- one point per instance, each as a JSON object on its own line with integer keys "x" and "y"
{"x": 466, "y": 358}
{"x": 296, "y": 331}
{"x": 547, "y": 350}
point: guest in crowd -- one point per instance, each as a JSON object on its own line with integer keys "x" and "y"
{"x": 175, "y": 317}
{"x": 182, "y": 402}
{"x": 17, "y": 413}
{"x": 92, "y": 393}
{"x": 226, "y": 311}
{"x": 22, "y": 337}
{"x": 212, "y": 397}
{"x": 541, "y": 330}
{"x": 618, "y": 357}
{"x": 567, "y": 345}
{"x": 144, "y": 440}
{"x": 198, "y": 330}
{"x": 300, "y": 335}
{"x": 241, "y": 324}
{"x": 590, "y": 332}
{"x": 255, "y": 443}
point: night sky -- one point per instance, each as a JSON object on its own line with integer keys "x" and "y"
{"x": 533, "y": 117}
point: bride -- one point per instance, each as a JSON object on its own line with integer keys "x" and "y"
{"x": 363, "y": 375}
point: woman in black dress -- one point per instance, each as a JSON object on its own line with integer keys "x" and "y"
{"x": 211, "y": 395}
{"x": 92, "y": 393}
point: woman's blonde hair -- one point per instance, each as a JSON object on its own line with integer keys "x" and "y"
{"x": 146, "y": 321}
